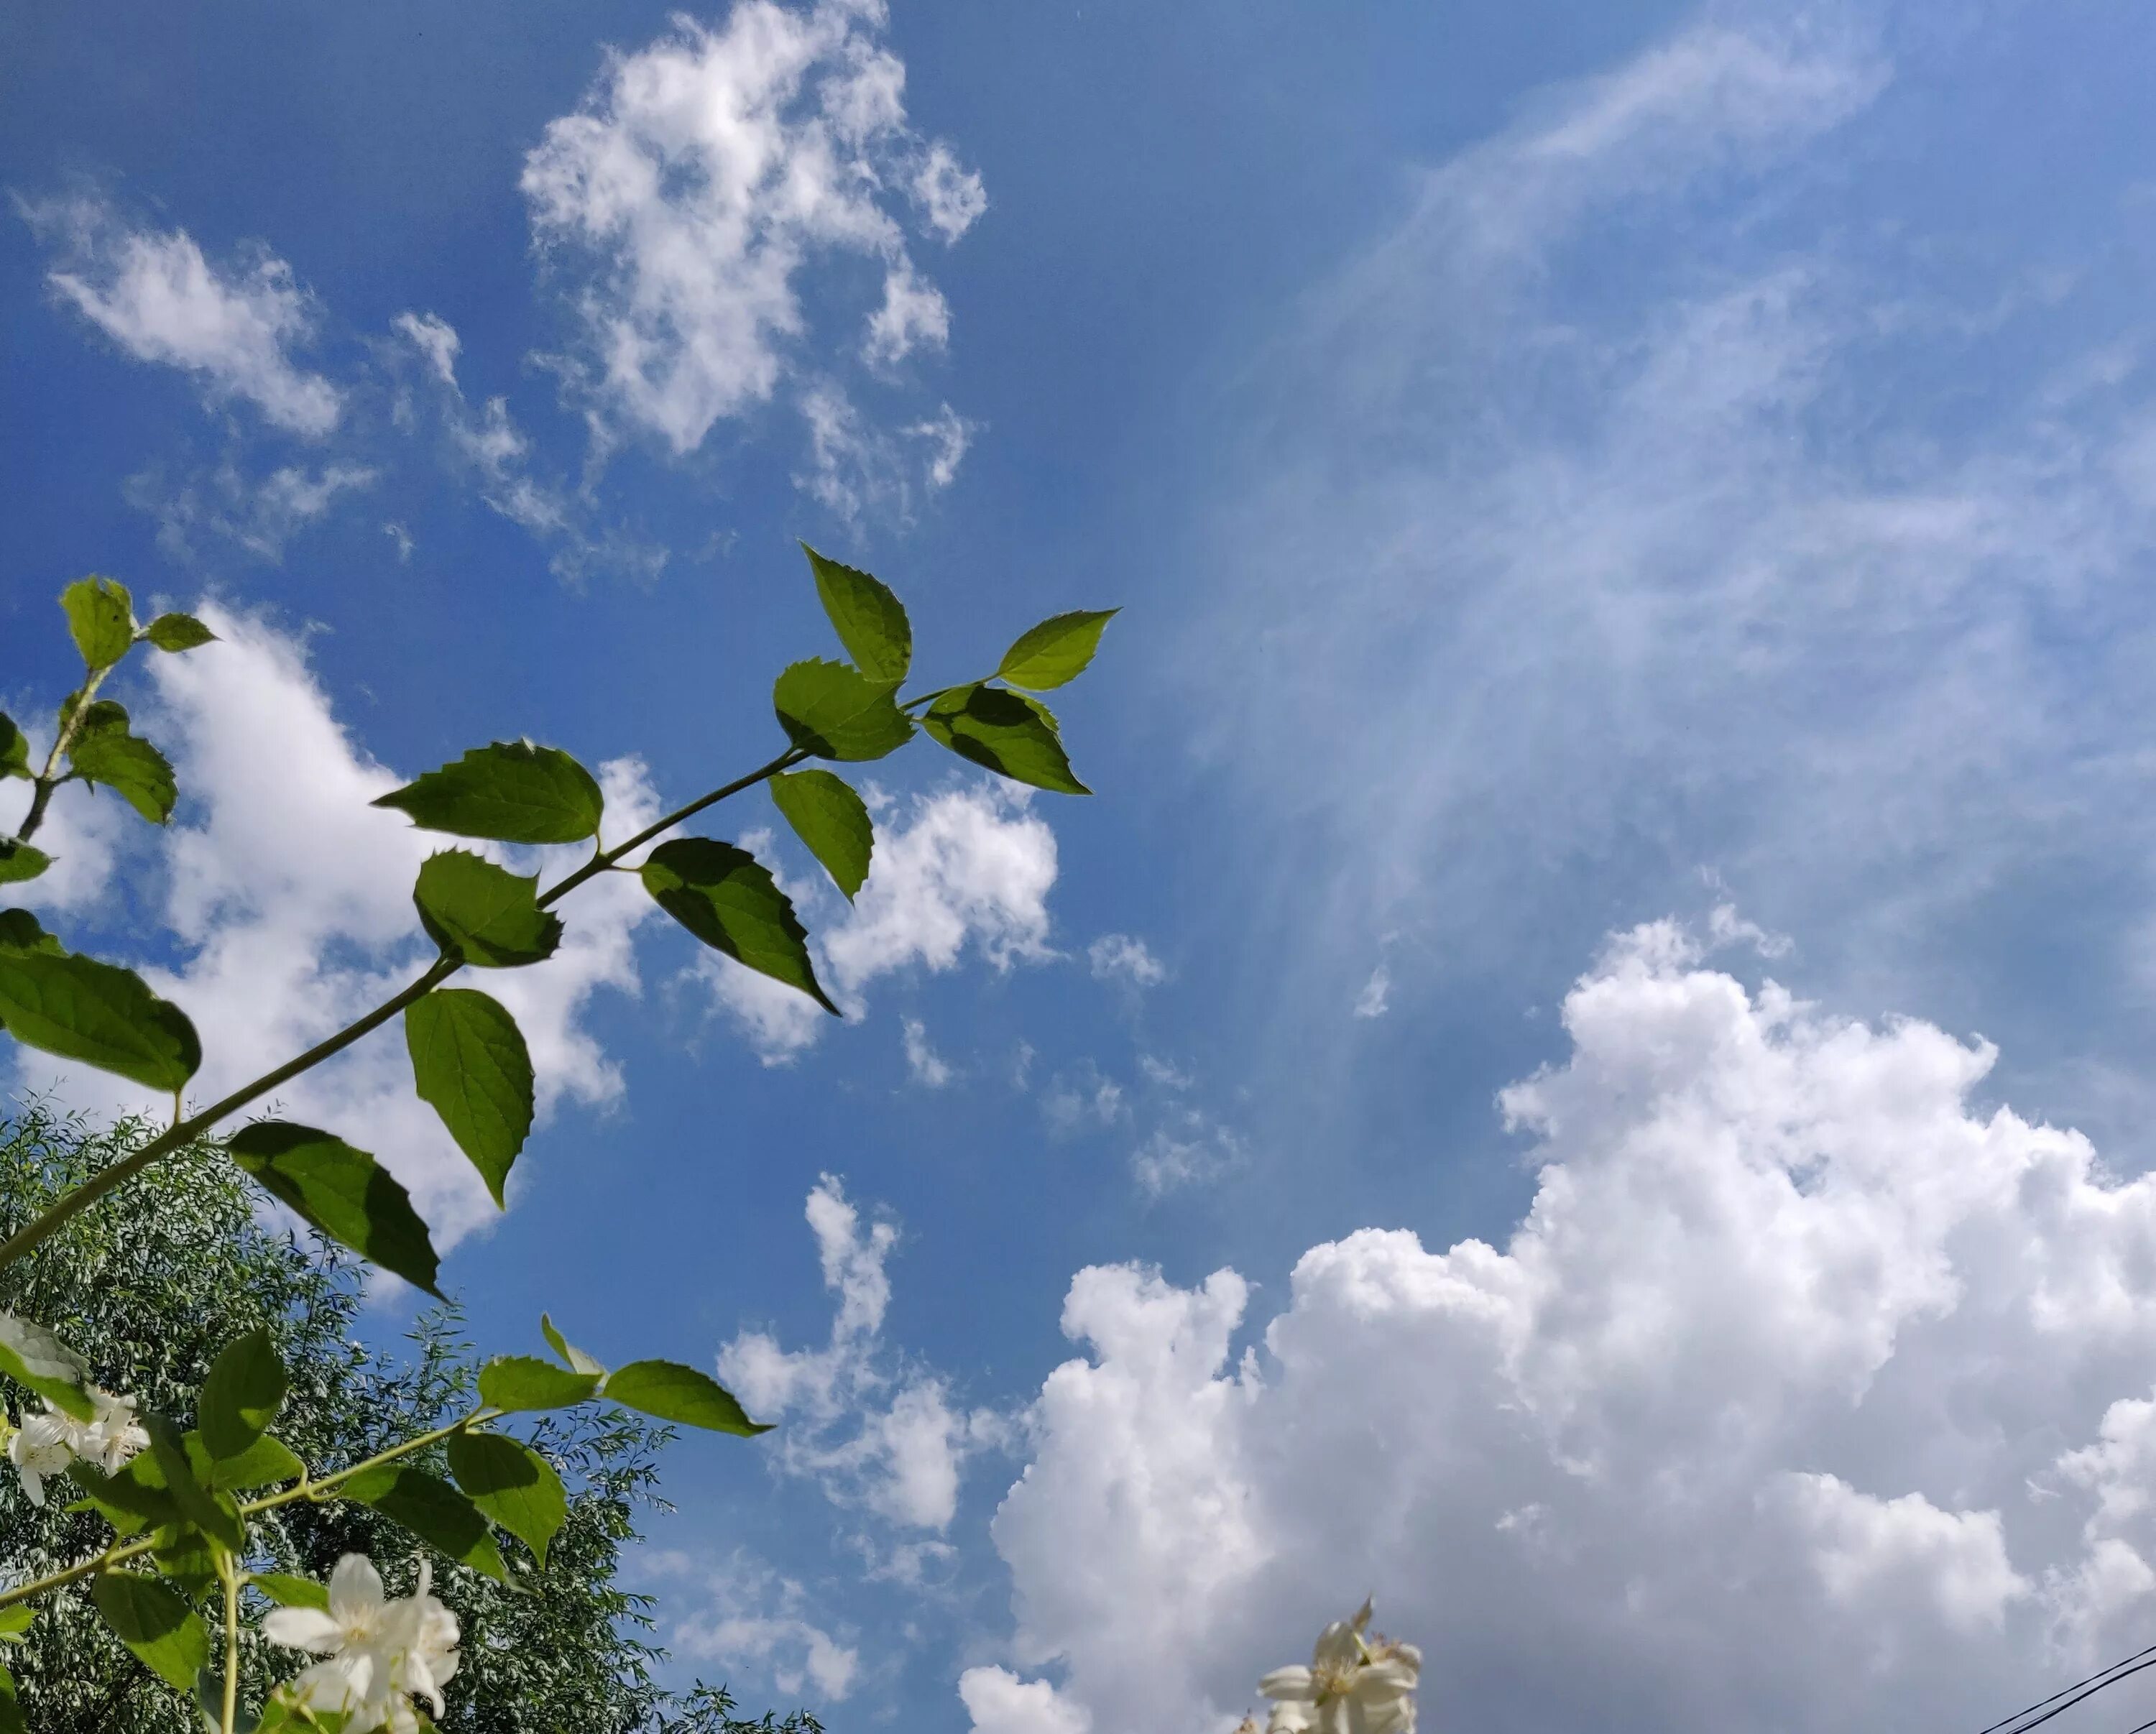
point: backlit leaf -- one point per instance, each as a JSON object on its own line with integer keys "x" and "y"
{"x": 512, "y": 1484}
{"x": 727, "y": 899}
{"x": 287, "y": 1591}
{"x": 240, "y": 1394}
{"x": 18, "y": 861}
{"x": 470, "y": 1065}
{"x": 513, "y": 1382}
{"x": 32, "y": 1356}
{"x": 130, "y": 767}
{"x": 101, "y": 615}
{"x": 264, "y": 1463}
{"x": 433, "y": 1511}
{"x": 343, "y": 1192}
{"x": 20, "y": 931}
{"x": 98, "y": 1013}
{"x": 178, "y": 631}
{"x": 1056, "y": 651}
{"x": 512, "y": 790}
{"x": 198, "y": 1504}
{"x": 832, "y": 710}
{"x": 1012, "y": 735}
{"x": 578, "y": 1361}
{"x": 14, "y": 750}
{"x": 164, "y": 1633}
{"x": 674, "y": 1393}
{"x": 871, "y": 621}
{"x": 488, "y": 915}
{"x": 832, "y": 820}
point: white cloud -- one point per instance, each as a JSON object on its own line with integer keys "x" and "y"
{"x": 950, "y": 436}
{"x": 260, "y": 514}
{"x": 1187, "y": 1148}
{"x": 291, "y": 899}
{"x": 157, "y": 296}
{"x": 923, "y": 1062}
{"x": 999, "y": 1702}
{"x": 754, "y": 1620}
{"x": 1081, "y": 1096}
{"x": 853, "y": 467}
{"x": 1375, "y": 997}
{"x": 873, "y": 1432}
{"x": 436, "y": 339}
{"x": 704, "y": 173}
{"x": 1118, "y": 957}
{"x": 1808, "y": 1394}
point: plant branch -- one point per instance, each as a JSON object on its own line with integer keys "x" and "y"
{"x": 229, "y": 1570}
{"x": 42, "y": 785}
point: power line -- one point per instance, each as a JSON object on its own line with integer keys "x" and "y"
{"x": 2064, "y": 1700}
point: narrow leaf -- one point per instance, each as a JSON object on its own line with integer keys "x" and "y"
{"x": 832, "y": 710}
{"x": 726, "y": 899}
{"x": 98, "y": 1013}
{"x": 832, "y": 820}
{"x": 289, "y": 1592}
{"x": 343, "y": 1192}
{"x": 14, "y": 750}
{"x": 871, "y": 621}
{"x": 32, "y": 1356}
{"x": 18, "y": 861}
{"x": 470, "y": 1065}
{"x": 164, "y": 1632}
{"x": 178, "y": 631}
{"x": 487, "y": 914}
{"x": 676, "y": 1393}
{"x": 101, "y": 615}
{"x": 513, "y": 1485}
{"x": 240, "y": 1395}
{"x": 512, "y": 790}
{"x": 130, "y": 767}
{"x": 513, "y": 1383}
{"x": 1013, "y": 735}
{"x": 578, "y": 1361}
{"x": 433, "y": 1511}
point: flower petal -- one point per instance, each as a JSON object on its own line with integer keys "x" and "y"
{"x": 303, "y": 1628}
{"x": 354, "y": 1589}
{"x": 1293, "y": 1685}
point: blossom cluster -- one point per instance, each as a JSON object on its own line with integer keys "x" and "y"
{"x": 378, "y": 1652}
{"x": 46, "y": 1443}
{"x": 1358, "y": 1682}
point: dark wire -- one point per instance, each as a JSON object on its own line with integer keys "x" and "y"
{"x": 2064, "y": 1700}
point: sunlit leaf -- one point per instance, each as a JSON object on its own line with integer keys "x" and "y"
{"x": 343, "y": 1192}
{"x": 832, "y": 820}
{"x": 178, "y": 631}
{"x": 724, "y": 896}
{"x": 264, "y": 1463}
{"x": 674, "y": 1393}
{"x": 513, "y": 1382}
{"x": 32, "y": 1356}
{"x": 578, "y": 1361}
{"x": 1056, "y": 651}
{"x": 101, "y": 615}
{"x": 199, "y": 1504}
{"x": 289, "y": 1592}
{"x": 240, "y": 1395}
{"x": 165, "y": 1634}
{"x": 871, "y": 621}
{"x": 512, "y": 790}
{"x": 18, "y": 861}
{"x": 19, "y": 932}
{"x": 470, "y": 1065}
{"x": 96, "y": 1013}
{"x": 130, "y": 767}
{"x": 488, "y": 914}
{"x": 833, "y": 710}
{"x": 432, "y": 1510}
{"x": 512, "y": 1484}
{"x": 1013, "y": 735}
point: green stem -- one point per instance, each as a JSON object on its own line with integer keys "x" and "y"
{"x": 42, "y": 785}
{"x": 229, "y": 1570}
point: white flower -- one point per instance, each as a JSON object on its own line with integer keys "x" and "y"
{"x": 46, "y": 1444}
{"x": 1353, "y": 1685}
{"x": 381, "y": 1653}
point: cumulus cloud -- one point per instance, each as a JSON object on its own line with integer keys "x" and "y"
{"x": 753, "y": 1620}
{"x": 290, "y": 898}
{"x": 872, "y": 1431}
{"x": 699, "y": 178}
{"x": 1808, "y": 1393}
{"x": 153, "y": 293}
{"x": 999, "y": 1702}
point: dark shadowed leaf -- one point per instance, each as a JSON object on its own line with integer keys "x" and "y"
{"x": 488, "y": 915}
{"x": 178, "y": 631}
{"x": 676, "y": 1393}
{"x": 130, "y": 767}
{"x": 1056, "y": 651}
{"x": 512, "y": 790}
{"x": 31, "y": 1355}
{"x": 433, "y": 1511}
{"x": 196, "y": 1503}
{"x": 871, "y": 621}
{"x": 831, "y": 709}
{"x": 96, "y": 1013}
{"x": 343, "y": 1192}
{"x": 164, "y": 1633}
{"x": 512, "y": 1484}
{"x": 18, "y": 861}
{"x": 726, "y": 898}
{"x": 828, "y": 816}
{"x": 101, "y": 615}
{"x": 14, "y": 750}
{"x": 470, "y": 1065}
{"x": 240, "y": 1395}
{"x": 513, "y": 1382}
{"x": 19, "y": 932}
{"x": 1013, "y": 735}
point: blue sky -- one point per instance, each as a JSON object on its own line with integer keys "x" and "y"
{"x": 1538, "y": 1087}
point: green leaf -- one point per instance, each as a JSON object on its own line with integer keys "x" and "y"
{"x": 513, "y": 1485}
{"x": 11, "y": 1709}
{"x": 433, "y": 1511}
{"x": 101, "y": 615}
{"x": 19, "y": 861}
{"x": 15, "y": 1621}
{"x": 512, "y": 1382}
{"x": 726, "y": 898}
{"x": 32, "y": 1356}
{"x": 14, "y": 750}
{"x": 264, "y": 1463}
{"x": 828, "y": 816}
{"x": 240, "y": 1395}
{"x": 20, "y": 933}
{"x": 1056, "y": 651}
{"x": 512, "y": 790}
{"x": 676, "y": 1393}
{"x": 150, "y": 1619}
{"x": 130, "y": 767}
{"x": 1012, "y": 735}
{"x": 343, "y": 1192}
{"x": 187, "y": 1561}
{"x": 833, "y": 710}
{"x": 102, "y": 1015}
{"x": 578, "y": 1361}
{"x": 134, "y": 1500}
{"x": 289, "y": 1592}
{"x": 487, "y": 914}
{"x": 871, "y": 621}
{"x": 178, "y": 631}
{"x": 470, "y": 1065}
{"x": 196, "y": 1503}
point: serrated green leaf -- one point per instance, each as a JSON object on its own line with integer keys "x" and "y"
{"x": 1013, "y": 735}
{"x": 832, "y": 710}
{"x": 511, "y": 1483}
{"x": 14, "y": 750}
{"x": 101, "y": 615}
{"x": 98, "y": 1013}
{"x": 832, "y": 820}
{"x": 287, "y": 1591}
{"x": 343, "y": 1192}
{"x": 578, "y": 1361}
{"x": 240, "y": 1395}
{"x": 32, "y": 1356}
{"x": 1056, "y": 651}
{"x": 512, "y": 790}
{"x": 165, "y": 1634}
{"x": 871, "y": 621}
{"x": 432, "y": 1510}
{"x": 724, "y": 896}
{"x": 264, "y": 1463}
{"x": 470, "y": 1065}
{"x": 103, "y": 715}
{"x": 488, "y": 914}
{"x": 19, "y": 933}
{"x": 178, "y": 631}
{"x": 18, "y": 861}
{"x": 130, "y": 767}
{"x": 674, "y": 1393}
{"x": 516, "y": 1383}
